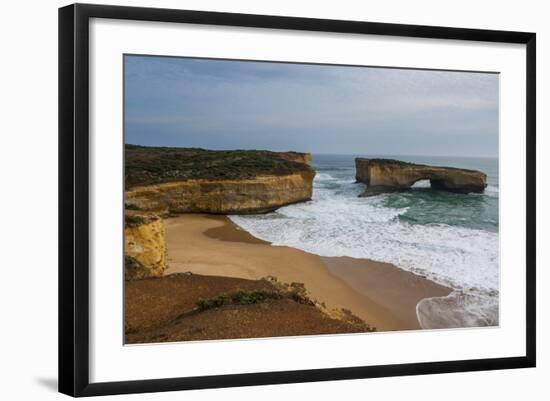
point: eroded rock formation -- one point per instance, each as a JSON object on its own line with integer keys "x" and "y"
{"x": 239, "y": 196}
{"x": 303, "y": 158}
{"x": 144, "y": 245}
{"x": 386, "y": 175}
{"x": 163, "y": 181}
{"x": 188, "y": 180}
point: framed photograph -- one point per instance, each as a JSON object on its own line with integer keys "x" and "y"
{"x": 251, "y": 199}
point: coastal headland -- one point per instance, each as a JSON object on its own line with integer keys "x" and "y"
{"x": 183, "y": 180}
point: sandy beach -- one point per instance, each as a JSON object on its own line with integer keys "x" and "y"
{"x": 381, "y": 294}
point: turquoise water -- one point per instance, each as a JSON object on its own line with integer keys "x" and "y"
{"x": 447, "y": 237}
{"x": 426, "y": 206}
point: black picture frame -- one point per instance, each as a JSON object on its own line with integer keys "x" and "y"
{"x": 74, "y": 200}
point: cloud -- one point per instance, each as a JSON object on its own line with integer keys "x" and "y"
{"x": 212, "y": 103}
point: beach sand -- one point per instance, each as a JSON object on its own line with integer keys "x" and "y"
{"x": 381, "y": 294}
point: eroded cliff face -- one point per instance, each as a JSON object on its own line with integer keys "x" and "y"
{"x": 242, "y": 196}
{"x": 144, "y": 245}
{"x": 191, "y": 180}
{"x": 385, "y": 175}
{"x": 163, "y": 181}
{"x": 304, "y": 158}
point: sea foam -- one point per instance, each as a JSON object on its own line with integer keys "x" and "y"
{"x": 458, "y": 309}
{"x": 491, "y": 191}
{"x": 336, "y": 222}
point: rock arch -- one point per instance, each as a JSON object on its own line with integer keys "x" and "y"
{"x": 387, "y": 175}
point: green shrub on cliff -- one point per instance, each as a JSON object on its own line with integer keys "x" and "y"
{"x": 295, "y": 291}
{"x": 238, "y": 298}
{"x": 152, "y": 165}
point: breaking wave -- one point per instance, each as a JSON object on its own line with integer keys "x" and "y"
{"x": 336, "y": 222}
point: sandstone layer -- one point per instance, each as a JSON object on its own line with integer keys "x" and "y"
{"x": 144, "y": 245}
{"x": 219, "y": 196}
{"x": 190, "y": 180}
{"x": 164, "y": 181}
{"x": 386, "y": 175}
{"x": 303, "y": 158}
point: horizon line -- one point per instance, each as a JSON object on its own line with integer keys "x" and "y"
{"x": 322, "y": 153}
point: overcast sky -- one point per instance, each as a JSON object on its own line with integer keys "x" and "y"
{"x": 219, "y": 104}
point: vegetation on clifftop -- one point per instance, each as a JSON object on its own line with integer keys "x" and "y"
{"x": 294, "y": 291}
{"x": 393, "y": 162}
{"x": 153, "y": 165}
{"x": 191, "y": 307}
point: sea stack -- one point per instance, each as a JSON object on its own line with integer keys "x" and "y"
{"x": 387, "y": 175}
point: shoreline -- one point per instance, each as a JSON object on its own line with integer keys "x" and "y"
{"x": 381, "y": 294}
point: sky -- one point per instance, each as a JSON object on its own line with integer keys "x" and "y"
{"x": 223, "y": 104}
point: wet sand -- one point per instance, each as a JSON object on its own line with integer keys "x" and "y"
{"x": 379, "y": 293}
{"x": 398, "y": 290}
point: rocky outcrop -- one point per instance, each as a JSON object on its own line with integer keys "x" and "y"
{"x": 162, "y": 181}
{"x": 192, "y": 307}
{"x": 386, "y": 175}
{"x": 144, "y": 245}
{"x": 190, "y": 180}
{"x": 242, "y": 196}
{"x": 303, "y": 158}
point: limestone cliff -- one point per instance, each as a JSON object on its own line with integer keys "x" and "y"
{"x": 303, "y": 158}
{"x": 243, "y": 196}
{"x": 189, "y": 180}
{"x": 386, "y": 175}
{"x": 144, "y": 245}
{"x": 165, "y": 181}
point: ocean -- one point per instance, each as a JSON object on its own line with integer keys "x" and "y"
{"x": 449, "y": 238}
